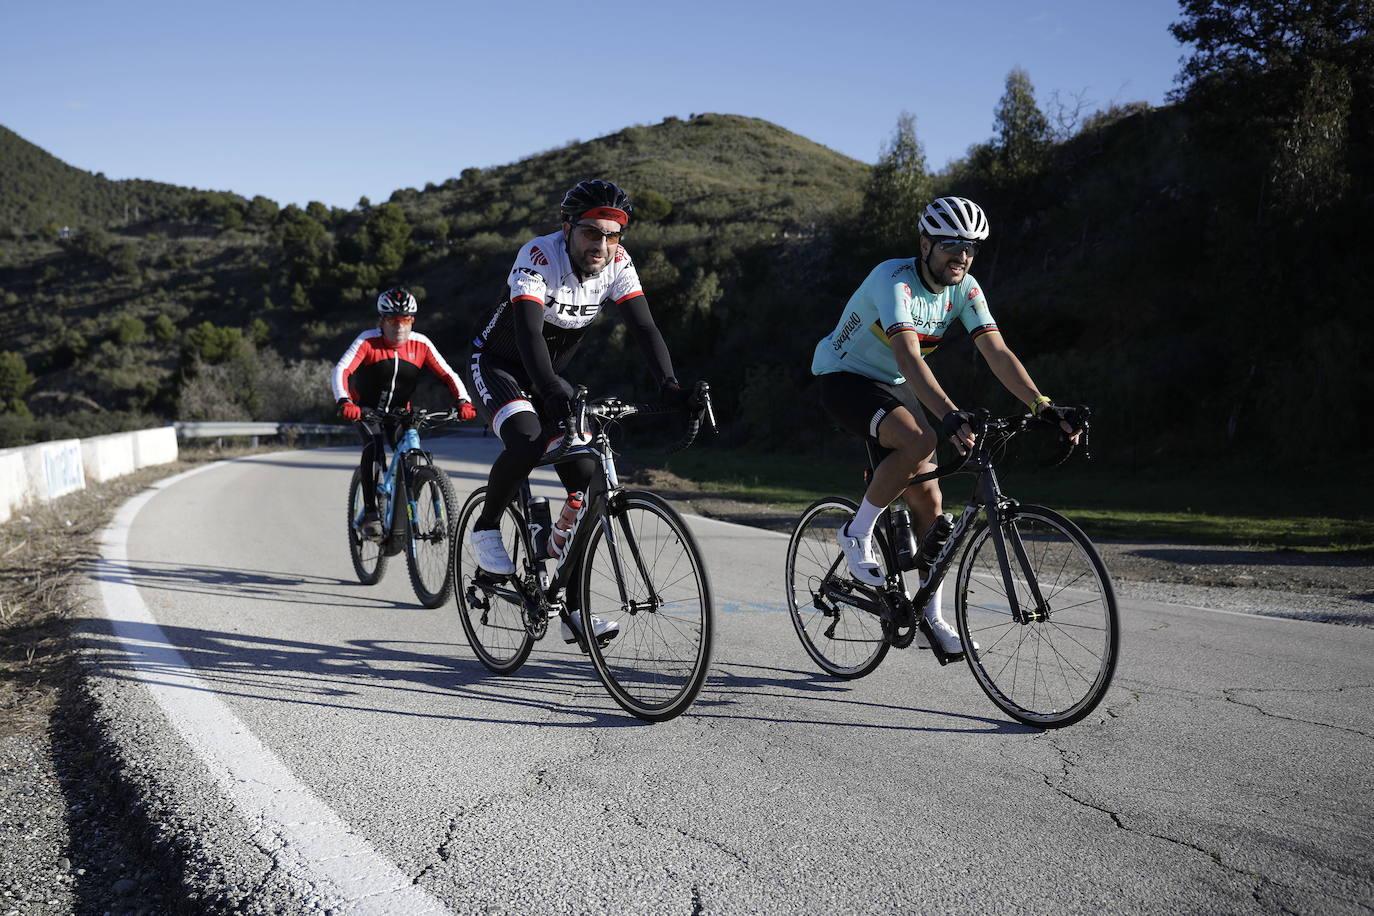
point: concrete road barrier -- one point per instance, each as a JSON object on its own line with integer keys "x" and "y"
{"x": 39, "y": 473}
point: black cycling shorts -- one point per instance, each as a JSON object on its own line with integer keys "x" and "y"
{"x": 858, "y": 404}
{"x": 501, "y": 388}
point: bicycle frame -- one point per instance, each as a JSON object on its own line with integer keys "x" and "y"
{"x": 397, "y": 484}
{"x": 988, "y": 499}
{"x": 602, "y": 490}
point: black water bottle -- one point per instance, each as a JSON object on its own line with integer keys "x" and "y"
{"x": 904, "y": 538}
{"x": 540, "y": 522}
{"x": 934, "y": 541}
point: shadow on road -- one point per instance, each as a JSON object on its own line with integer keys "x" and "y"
{"x": 732, "y": 683}
{"x": 411, "y": 679}
{"x": 254, "y": 584}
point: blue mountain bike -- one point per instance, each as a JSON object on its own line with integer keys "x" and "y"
{"x": 415, "y": 501}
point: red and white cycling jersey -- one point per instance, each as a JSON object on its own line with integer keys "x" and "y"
{"x": 373, "y": 374}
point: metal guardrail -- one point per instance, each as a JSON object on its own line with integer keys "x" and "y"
{"x": 226, "y": 430}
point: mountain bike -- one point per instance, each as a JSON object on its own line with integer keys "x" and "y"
{"x": 415, "y": 501}
{"x": 1033, "y": 601}
{"x": 631, "y": 560}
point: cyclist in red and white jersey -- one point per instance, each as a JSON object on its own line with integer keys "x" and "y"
{"x": 380, "y": 369}
{"x": 559, "y": 284}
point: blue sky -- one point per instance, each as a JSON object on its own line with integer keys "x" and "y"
{"x": 331, "y": 101}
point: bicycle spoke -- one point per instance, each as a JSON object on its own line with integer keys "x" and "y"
{"x": 1052, "y": 667}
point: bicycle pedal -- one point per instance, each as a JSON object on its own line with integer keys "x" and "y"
{"x": 933, "y": 644}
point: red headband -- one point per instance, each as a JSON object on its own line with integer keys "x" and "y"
{"x": 611, "y": 213}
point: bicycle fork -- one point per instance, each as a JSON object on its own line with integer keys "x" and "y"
{"x": 1003, "y": 532}
{"x": 613, "y": 544}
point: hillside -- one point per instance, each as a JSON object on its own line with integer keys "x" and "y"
{"x": 1157, "y": 264}
{"x": 38, "y": 190}
{"x": 129, "y": 317}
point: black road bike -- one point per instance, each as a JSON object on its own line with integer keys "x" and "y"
{"x": 1033, "y": 601}
{"x": 415, "y": 501}
{"x": 631, "y": 561}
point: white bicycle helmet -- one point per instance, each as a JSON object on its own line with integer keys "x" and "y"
{"x": 955, "y": 218}
{"x": 397, "y": 301}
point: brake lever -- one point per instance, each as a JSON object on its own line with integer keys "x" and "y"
{"x": 703, "y": 398}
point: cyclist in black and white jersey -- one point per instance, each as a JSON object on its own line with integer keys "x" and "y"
{"x": 559, "y": 284}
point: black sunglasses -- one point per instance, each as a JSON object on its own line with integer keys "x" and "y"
{"x": 957, "y": 246}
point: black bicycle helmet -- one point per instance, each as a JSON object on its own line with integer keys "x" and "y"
{"x": 596, "y": 199}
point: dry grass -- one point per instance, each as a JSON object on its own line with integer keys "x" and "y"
{"x": 45, "y": 551}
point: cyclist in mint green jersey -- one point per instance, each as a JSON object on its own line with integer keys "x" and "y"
{"x": 873, "y": 376}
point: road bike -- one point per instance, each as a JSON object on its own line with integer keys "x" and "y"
{"x": 631, "y": 561}
{"x": 1033, "y": 601}
{"x": 415, "y": 502}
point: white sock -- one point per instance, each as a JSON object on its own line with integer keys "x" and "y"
{"x": 861, "y": 525}
{"x": 933, "y": 606}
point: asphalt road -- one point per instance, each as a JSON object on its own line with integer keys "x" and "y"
{"x": 307, "y": 743}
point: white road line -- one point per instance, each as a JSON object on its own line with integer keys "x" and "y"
{"x": 316, "y": 845}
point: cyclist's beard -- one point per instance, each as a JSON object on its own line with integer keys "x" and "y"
{"x": 580, "y": 262}
{"x": 943, "y": 278}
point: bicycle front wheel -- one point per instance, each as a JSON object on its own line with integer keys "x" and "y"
{"x": 1053, "y": 666}
{"x": 844, "y": 640}
{"x": 489, "y": 608}
{"x": 646, "y": 575}
{"x": 429, "y": 556}
{"x": 368, "y": 560}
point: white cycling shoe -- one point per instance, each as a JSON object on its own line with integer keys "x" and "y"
{"x": 948, "y": 636}
{"x": 491, "y": 553}
{"x": 605, "y": 630}
{"x": 858, "y": 553}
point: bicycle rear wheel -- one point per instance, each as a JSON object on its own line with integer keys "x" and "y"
{"x": 657, "y": 663}
{"x": 1054, "y": 668}
{"x": 430, "y": 554}
{"x": 368, "y": 560}
{"x": 844, "y": 640}
{"x": 490, "y": 610}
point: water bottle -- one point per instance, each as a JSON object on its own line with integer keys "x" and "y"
{"x": 904, "y": 539}
{"x": 567, "y": 520}
{"x": 934, "y": 541}
{"x": 540, "y": 520}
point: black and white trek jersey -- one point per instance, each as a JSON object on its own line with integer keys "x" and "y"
{"x": 543, "y": 274}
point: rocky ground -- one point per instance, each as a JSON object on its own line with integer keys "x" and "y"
{"x": 72, "y": 840}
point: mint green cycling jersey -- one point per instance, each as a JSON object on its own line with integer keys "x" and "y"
{"x": 893, "y": 300}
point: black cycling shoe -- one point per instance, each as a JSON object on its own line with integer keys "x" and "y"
{"x": 371, "y": 526}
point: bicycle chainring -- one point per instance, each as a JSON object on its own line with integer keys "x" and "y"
{"x": 534, "y": 609}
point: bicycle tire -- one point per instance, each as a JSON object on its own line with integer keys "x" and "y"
{"x": 429, "y": 556}
{"x": 369, "y": 560}
{"x": 658, "y": 662}
{"x": 1051, "y": 672}
{"x": 495, "y": 626}
{"x": 844, "y": 641}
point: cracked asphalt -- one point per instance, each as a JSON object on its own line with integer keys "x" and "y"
{"x": 1226, "y": 772}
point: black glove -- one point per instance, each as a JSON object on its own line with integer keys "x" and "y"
{"x": 1054, "y": 414}
{"x": 672, "y": 394}
{"x": 949, "y": 426}
{"x": 558, "y": 399}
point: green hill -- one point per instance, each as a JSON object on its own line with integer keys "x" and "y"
{"x": 39, "y": 190}
{"x": 117, "y": 315}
